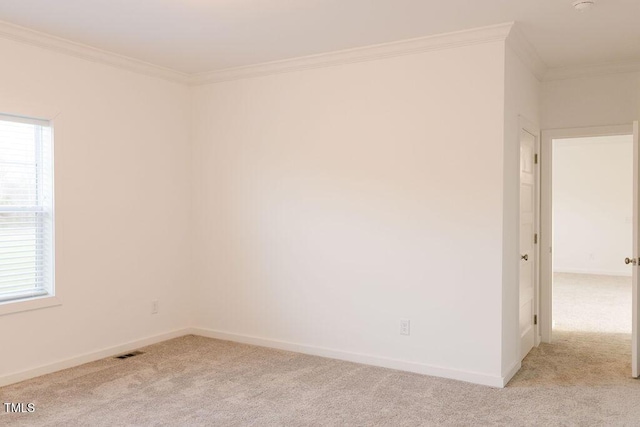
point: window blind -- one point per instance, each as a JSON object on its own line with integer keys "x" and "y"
{"x": 26, "y": 208}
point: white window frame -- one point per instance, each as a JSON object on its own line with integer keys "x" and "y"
{"x": 51, "y": 298}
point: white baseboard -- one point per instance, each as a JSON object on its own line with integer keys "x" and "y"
{"x": 420, "y": 368}
{"x": 619, "y": 273}
{"x": 89, "y": 357}
{"x": 511, "y": 373}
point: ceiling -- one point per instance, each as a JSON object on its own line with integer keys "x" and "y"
{"x": 194, "y": 36}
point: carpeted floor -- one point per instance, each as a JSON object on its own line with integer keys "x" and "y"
{"x": 583, "y": 378}
{"x": 591, "y": 303}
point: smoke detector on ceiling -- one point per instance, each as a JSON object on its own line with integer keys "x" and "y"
{"x": 582, "y": 5}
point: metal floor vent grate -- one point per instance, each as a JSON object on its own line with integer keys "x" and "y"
{"x": 128, "y": 355}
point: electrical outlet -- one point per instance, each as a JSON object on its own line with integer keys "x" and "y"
{"x": 154, "y": 307}
{"x": 405, "y": 327}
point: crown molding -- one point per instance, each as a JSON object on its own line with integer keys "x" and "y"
{"x": 526, "y": 52}
{"x": 508, "y": 32}
{"x": 35, "y": 38}
{"x": 369, "y": 53}
{"x": 596, "y": 70}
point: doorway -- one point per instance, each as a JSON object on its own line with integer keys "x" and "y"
{"x": 587, "y": 208}
{"x": 592, "y": 198}
{"x": 625, "y": 345}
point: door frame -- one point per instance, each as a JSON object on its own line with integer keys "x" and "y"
{"x": 546, "y": 213}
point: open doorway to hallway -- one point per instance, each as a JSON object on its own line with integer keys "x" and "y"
{"x": 592, "y": 190}
{"x": 587, "y": 210}
{"x": 589, "y": 300}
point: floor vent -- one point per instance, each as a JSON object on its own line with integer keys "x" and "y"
{"x": 128, "y": 355}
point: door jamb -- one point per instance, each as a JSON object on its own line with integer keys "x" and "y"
{"x": 546, "y": 209}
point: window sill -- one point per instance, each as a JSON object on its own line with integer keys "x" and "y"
{"x": 35, "y": 303}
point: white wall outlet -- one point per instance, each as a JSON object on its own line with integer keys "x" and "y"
{"x": 154, "y": 307}
{"x": 405, "y": 327}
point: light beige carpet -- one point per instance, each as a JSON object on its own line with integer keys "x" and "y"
{"x": 579, "y": 380}
{"x": 592, "y": 303}
{"x": 582, "y": 379}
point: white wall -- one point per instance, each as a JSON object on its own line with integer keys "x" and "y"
{"x": 331, "y": 203}
{"x": 592, "y": 205}
{"x": 613, "y": 99}
{"x": 122, "y": 206}
{"x": 522, "y": 107}
{"x": 327, "y": 204}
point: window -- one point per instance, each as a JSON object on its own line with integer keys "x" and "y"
{"x": 26, "y": 209}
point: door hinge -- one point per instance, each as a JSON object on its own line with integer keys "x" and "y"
{"x": 535, "y": 159}
{"x": 535, "y": 239}
{"x": 535, "y": 319}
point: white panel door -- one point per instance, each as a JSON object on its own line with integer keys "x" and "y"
{"x": 528, "y": 261}
{"x": 635, "y": 327}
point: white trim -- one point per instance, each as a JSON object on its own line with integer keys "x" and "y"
{"x": 43, "y": 116}
{"x": 367, "y": 359}
{"x": 526, "y": 52}
{"x": 419, "y": 368}
{"x": 635, "y": 327}
{"x": 404, "y": 47}
{"x": 25, "y": 120}
{"x": 546, "y": 226}
{"x": 35, "y": 38}
{"x": 508, "y": 32}
{"x": 29, "y": 304}
{"x": 17, "y": 108}
{"x": 90, "y": 357}
{"x": 511, "y": 373}
{"x": 594, "y": 272}
{"x": 594, "y": 70}
{"x": 546, "y": 238}
{"x": 456, "y": 39}
{"x": 597, "y": 140}
{"x": 588, "y": 132}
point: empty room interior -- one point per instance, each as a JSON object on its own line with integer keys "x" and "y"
{"x": 592, "y": 194}
{"x": 270, "y": 212}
